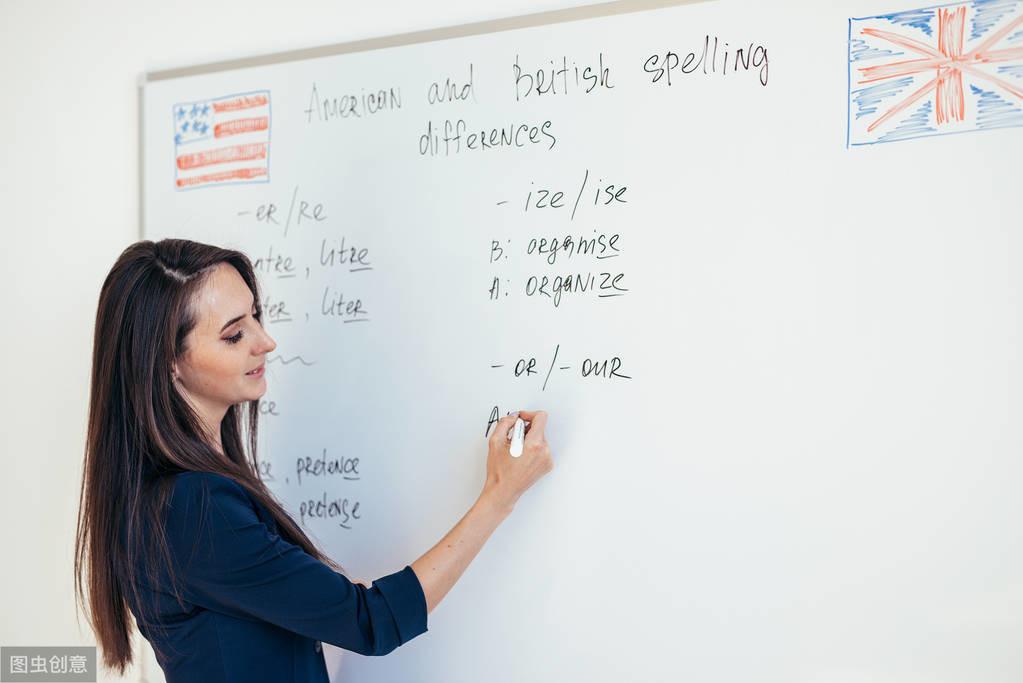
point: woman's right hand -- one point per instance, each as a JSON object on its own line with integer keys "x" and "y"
{"x": 508, "y": 477}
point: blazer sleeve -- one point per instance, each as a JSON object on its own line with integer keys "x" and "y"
{"x": 228, "y": 560}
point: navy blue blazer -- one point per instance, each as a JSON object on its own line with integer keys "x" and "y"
{"x": 257, "y": 606}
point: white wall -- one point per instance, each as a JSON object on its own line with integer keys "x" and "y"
{"x": 69, "y": 205}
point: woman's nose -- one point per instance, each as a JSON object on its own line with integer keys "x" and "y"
{"x": 269, "y": 342}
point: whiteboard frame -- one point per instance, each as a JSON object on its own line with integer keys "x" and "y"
{"x": 558, "y": 16}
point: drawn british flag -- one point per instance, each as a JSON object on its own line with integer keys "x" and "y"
{"x": 222, "y": 141}
{"x": 947, "y": 69}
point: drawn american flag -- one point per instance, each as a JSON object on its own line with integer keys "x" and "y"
{"x": 947, "y": 69}
{"x": 221, "y": 141}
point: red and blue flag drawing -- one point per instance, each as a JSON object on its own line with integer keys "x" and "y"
{"x": 952, "y": 68}
{"x": 222, "y": 141}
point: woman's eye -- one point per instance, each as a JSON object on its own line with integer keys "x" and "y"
{"x": 258, "y": 315}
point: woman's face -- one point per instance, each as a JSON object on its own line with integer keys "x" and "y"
{"x": 226, "y": 343}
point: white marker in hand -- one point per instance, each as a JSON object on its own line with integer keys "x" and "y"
{"x": 518, "y": 433}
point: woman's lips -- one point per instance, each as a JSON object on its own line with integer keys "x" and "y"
{"x": 258, "y": 372}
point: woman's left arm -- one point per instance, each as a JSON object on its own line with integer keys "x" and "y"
{"x": 228, "y": 560}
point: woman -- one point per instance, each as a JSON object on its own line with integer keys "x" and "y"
{"x": 175, "y": 525}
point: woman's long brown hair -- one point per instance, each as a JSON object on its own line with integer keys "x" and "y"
{"x": 142, "y": 432}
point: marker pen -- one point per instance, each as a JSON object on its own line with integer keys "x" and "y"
{"x": 518, "y": 433}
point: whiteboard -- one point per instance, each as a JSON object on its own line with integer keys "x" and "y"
{"x": 780, "y": 350}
